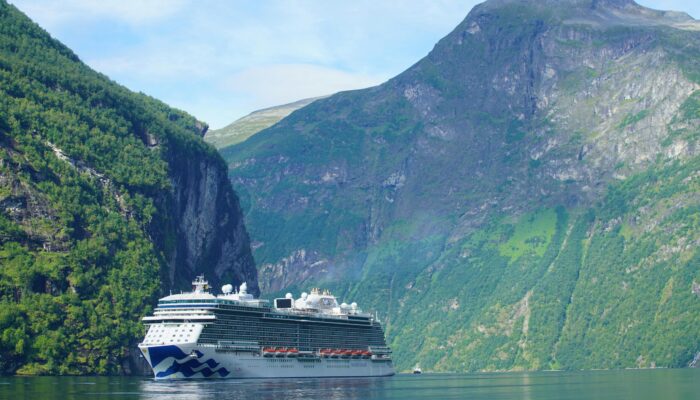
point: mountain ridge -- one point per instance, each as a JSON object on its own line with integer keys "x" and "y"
{"x": 465, "y": 198}
{"x": 247, "y": 126}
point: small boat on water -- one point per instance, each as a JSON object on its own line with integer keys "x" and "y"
{"x": 417, "y": 370}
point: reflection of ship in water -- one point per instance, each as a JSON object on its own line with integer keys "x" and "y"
{"x": 233, "y": 335}
{"x": 265, "y": 389}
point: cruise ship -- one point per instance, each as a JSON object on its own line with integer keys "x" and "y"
{"x": 234, "y": 335}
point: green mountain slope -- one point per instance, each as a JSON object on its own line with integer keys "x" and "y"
{"x": 525, "y": 197}
{"x": 107, "y": 200}
{"x": 245, "y": 127}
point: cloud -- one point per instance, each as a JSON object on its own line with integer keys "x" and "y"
{"x": 284, "y": 83}
{"x": 157, "y": 63}
{"x": 690, "y": 7}
{"x": 52, "y": 14}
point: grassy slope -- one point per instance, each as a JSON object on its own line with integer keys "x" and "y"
{"x": 247, "y": 126}
{"x": 604, "y": 287}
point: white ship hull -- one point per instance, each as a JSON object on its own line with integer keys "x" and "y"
{"x": 191, "y": 361}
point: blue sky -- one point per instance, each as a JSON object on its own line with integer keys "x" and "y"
{"x": 221, "y": 59}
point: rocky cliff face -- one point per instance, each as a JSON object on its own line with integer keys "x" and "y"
{"x": 211, "y": 236}
{"x": 474, "y": 197}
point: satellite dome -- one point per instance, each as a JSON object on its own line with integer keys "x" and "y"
{"x": 288, "y": 296}
{"x": 344, "y": 305}
{"x": 353, "y": 306}
{"x": 304, "y": 295}
{"x": 227, "y": 289}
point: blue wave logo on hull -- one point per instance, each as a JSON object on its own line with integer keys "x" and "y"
{"x": 160, "y": 353}
{"x": 188, "y": 368}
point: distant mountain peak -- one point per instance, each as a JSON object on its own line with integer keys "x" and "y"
{"x": 590, "y": 4}
{"x": 613, "y": 3}
{"x": 247, "y": 126}
{"x": 600, "y": 13}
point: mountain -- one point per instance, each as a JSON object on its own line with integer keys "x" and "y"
{"x": 245, "y": 127}
{"x": 524, "y": 197}
{"x": 108, "y": 199}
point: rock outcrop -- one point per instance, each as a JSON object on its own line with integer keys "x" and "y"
{"x": 212, "y": 238}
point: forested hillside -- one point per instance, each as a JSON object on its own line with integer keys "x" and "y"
{"x": 524, "y": 197}
{"x": 107, "y": 199}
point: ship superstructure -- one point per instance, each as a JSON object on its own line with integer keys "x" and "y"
{"x": 234, "y": 335}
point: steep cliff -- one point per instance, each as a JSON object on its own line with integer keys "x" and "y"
{"x": 108, "y": 199}
{"x": 205, "y": 216}
{"x": 521, "y": 198}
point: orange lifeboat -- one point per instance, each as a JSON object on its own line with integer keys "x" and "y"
{"x": 280, "y": 352}
{"x": 268, "y": 351}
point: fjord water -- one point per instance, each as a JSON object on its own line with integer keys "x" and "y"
{"x": 628, "y": 384}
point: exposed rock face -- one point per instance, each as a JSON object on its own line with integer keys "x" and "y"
{"x": 212, "y": 237}
{"x": 297, "y": 267}
{"x": 695, "y": 362}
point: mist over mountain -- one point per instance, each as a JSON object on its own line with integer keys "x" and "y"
{"x": 524, "y": 197}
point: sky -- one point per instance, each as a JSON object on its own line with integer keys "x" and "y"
{"x": 222, "y": 59}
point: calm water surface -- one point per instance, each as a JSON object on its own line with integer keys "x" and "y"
{"x": 636, "y": 385}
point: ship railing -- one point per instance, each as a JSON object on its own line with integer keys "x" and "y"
{"x": 182, "y": 312}
{"x": 311, "y": 312}
{"x": 214, "y": 303}
{"x": 255, "y": 303}
{"x": 235, "y": 346}
{"x": 179, "y": 318}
